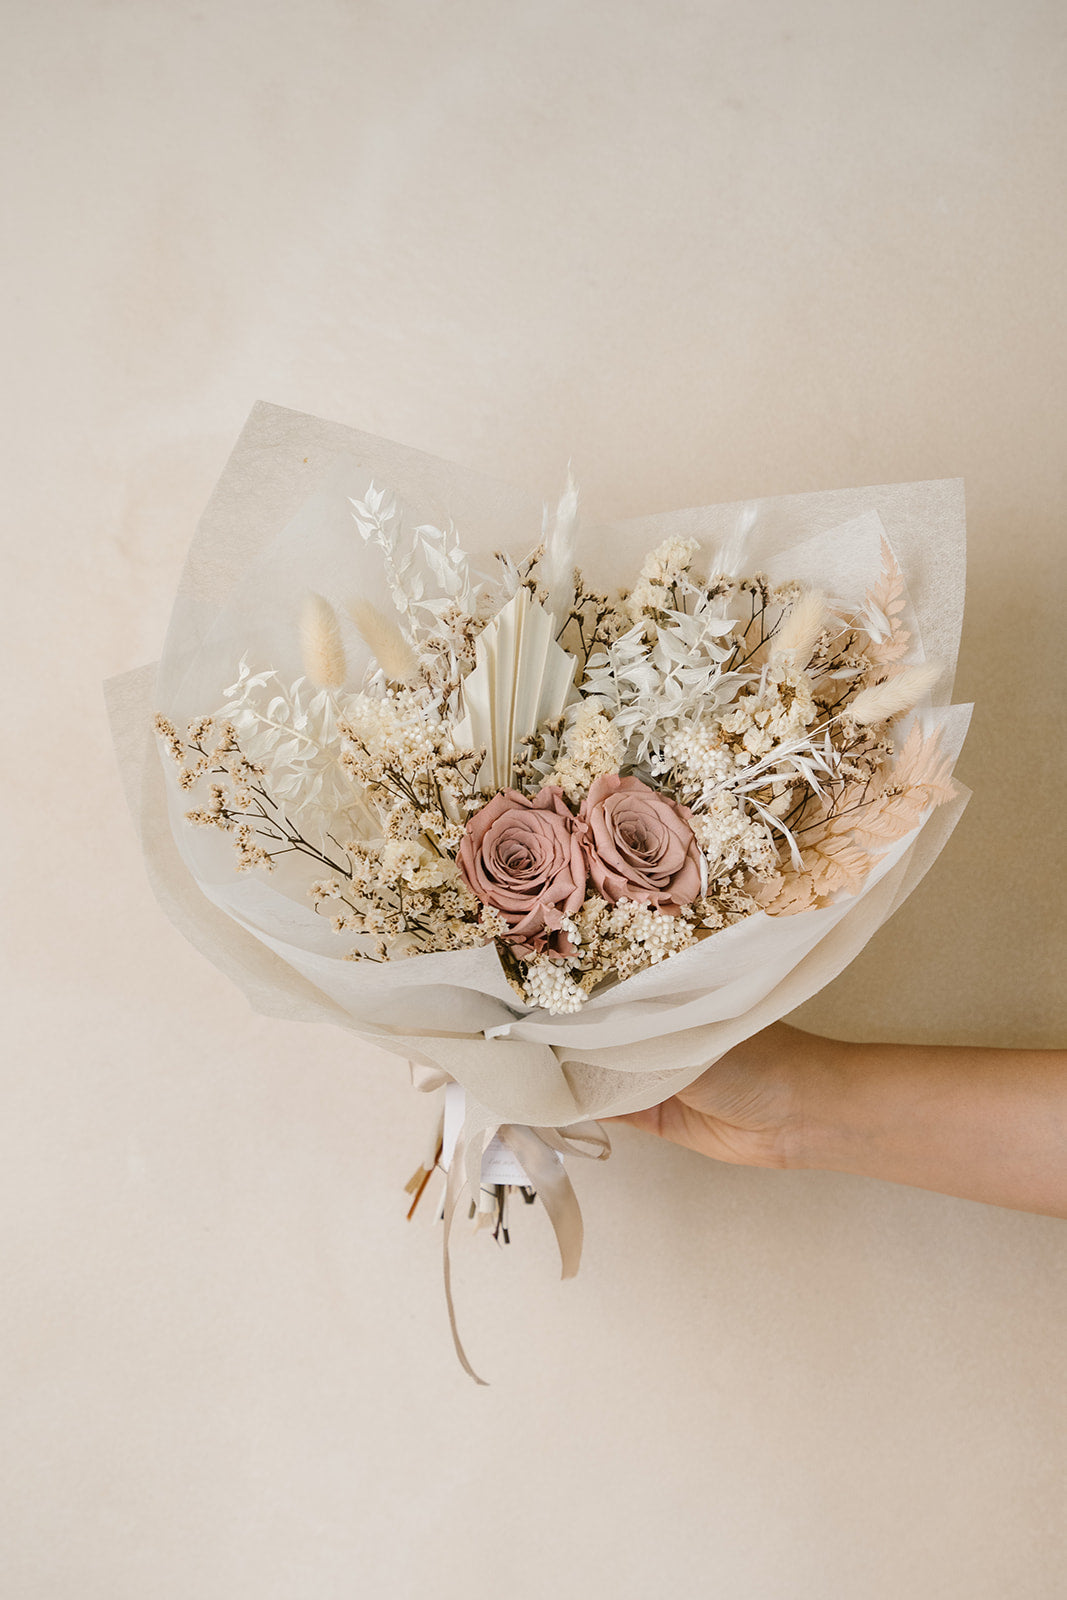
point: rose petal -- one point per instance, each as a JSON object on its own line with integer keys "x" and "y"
{"x": 639, "y": 844}
{"x": 524, "y": 857}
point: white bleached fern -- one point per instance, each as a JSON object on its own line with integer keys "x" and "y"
{"x": 426, "y": 568}
{"x": 650, "y": 687}
{"x": 292, "y": 730}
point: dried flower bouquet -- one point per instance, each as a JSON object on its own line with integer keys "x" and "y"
{"x": 559, "y": 818}
{"x": 590, "y": 782}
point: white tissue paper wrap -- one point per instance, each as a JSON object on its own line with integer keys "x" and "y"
{"x": 278, "y": 523}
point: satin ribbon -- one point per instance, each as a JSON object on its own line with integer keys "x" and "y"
{"x": 536, "y": 1150}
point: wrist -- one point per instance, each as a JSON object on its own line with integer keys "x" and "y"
{"x": 825, "y": 1125}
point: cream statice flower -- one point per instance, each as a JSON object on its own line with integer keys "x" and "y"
{"x": 669, "y": 560}
{"x": 662, "y": 569}
{"x": 400, "y": 858}
{"x": 777, "y": 710}
{"x": 591, "y": 747}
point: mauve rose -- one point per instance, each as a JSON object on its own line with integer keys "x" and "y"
{"x": 524, "y": 857}
{"x": 639, "y": 844}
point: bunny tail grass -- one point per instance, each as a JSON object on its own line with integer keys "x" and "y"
{"x": 801, "y": 628}
{"x": 895, "y": 695}
{"x": 730, "y": 560}
{"x": 320, "y": 643}
{"x": 385, "y": 641}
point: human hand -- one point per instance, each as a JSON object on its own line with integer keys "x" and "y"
{"x": 748, "y": 1107}
{"x": 983, "y": 1124}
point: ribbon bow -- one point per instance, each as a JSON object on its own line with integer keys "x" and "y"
{"x": 537, "y": 1150}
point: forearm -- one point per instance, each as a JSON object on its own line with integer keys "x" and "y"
{"x": 986, "y": 1125}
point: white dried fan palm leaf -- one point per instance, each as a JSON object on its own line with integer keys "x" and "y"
{"x": 521, "y": 679}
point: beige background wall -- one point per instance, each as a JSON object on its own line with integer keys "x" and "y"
{"x": 708, "y": 250}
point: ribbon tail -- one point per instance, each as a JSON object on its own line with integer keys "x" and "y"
{"x": 578, "y": 1139}
{"x": 456, "y": 1184}
{"x": 548, "y": 1176}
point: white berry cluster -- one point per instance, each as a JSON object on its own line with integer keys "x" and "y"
{"x": 624, "y": 936}
{"x": 729, "y": 837}
{"x": 642, "y": 936}
{"x": 696, "y": 749}
{"x": 550, "y": 985}
{"x": 392, "y": 728}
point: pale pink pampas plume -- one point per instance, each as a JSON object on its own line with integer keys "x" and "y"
{"x": 895, "y": 695}
{"x": 883, "y": 610}
{"x": 730, "y": 559}
{"x": 320, "y": 643}
{"x": 384, "y": 640}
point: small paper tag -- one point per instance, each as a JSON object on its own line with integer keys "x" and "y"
{"x": 499, "y": 1164}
